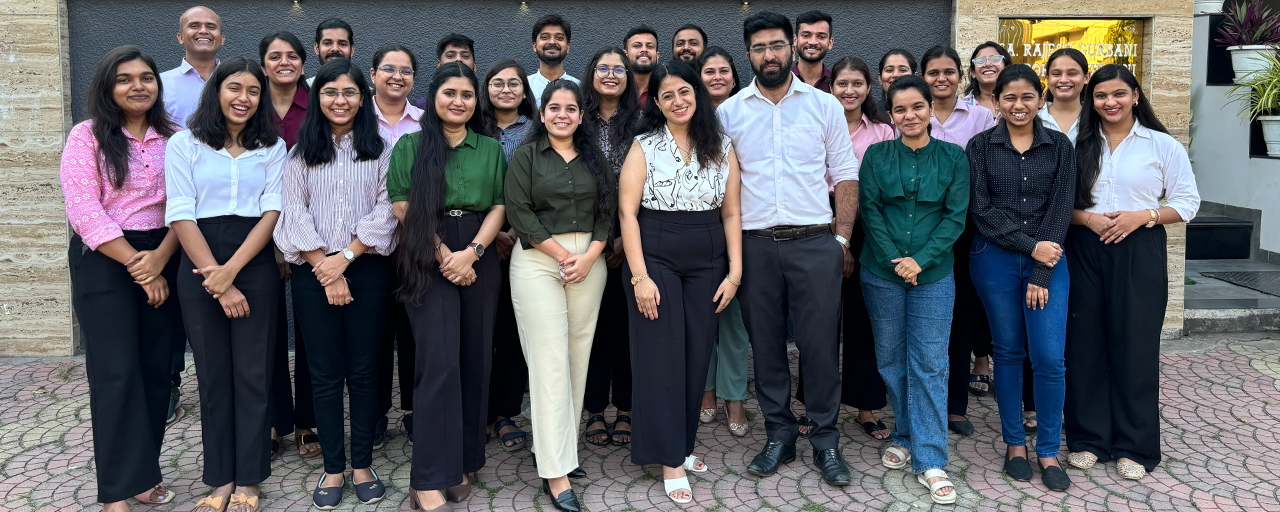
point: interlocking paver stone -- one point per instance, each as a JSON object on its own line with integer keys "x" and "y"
{"x": 1218, "y": 418}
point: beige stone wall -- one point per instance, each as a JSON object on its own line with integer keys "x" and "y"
{"x": 35, "y": 306}
{"x": 1167, "y": 78}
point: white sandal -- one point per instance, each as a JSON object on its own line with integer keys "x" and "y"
{"x": 904, "y": 457}
{"x": 677, "y": 484}
{"x": 923, "y": 478}
{"x": 692, "y": 463}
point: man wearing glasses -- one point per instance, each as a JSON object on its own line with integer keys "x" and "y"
{"x": 451, "y": 48}
{"x": 789, "y": 138}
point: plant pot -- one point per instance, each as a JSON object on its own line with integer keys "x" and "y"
{"x": 1207, "y": 6}
{"x": 1271, "y": 134}
{"x": 1248, "y": 58}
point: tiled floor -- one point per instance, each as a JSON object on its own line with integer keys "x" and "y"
{"x": 1220, "y": 434}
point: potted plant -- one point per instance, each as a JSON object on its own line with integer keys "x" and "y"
{"x": 1248, "y": 30}
{"x": 1259, "y": 98}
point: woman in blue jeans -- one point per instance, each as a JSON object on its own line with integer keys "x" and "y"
{"x": 914, "y": 196}
{"x": 1022, "y": 179}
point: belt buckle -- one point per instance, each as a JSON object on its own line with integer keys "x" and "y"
{"x": 455, "y": 213}
{"x": 785, "y": 233}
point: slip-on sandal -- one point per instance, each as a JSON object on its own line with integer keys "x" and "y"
{"x": 306, "y": 439}
{"x": 510, "y": 436}
{"x": 678, "y": 484}
{"x": 243, "y": 499}
{"x": 979, "y": 379}
{"x": 622, "y": 418}
{"x": 596, "y": 418}
{"x": 691, "y": 463}
{"x": 157, "y": 495}
{"x": 923, "y": 478}
{"x": 218, "y": 503}
{"x": 871, "y": 427}
{"x": 904, "y": 457}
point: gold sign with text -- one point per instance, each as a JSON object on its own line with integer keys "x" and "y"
{"x": 1113, "y": 41}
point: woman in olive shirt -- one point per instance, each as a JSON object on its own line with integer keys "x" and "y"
{"x": 914, "y": 195}
{"x": 445, "y": 186}
{"x": 562, "y": 204}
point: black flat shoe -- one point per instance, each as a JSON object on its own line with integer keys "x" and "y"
{"x": 577, "y": 472}
{"x": 1018, "y": 469}
{"x": 327, "y": 498}
{"x": 962, "y": 427}
{"x": 835, "y": 470}
{"x": 566, "y": 501}
{"x": 773, "y": 456}
{"x": 372, "y": 491}
{"x": 1054, "y": 477}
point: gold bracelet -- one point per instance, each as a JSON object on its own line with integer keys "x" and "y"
{"x": 729, "y": 278}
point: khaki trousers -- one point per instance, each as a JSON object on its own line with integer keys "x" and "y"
{"x": 557, "y": 323}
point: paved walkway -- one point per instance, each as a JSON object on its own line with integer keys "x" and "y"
{"x": 1219, "y": 395}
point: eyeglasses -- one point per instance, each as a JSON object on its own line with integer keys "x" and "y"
{"x": 345, "y": 93}
{"x": 603, "y": 71}
{"x": 776, "y": 48}
{"x": 514, "y": 84}
{"x": 391, "y": 70}
{"x": 993, "y": 60}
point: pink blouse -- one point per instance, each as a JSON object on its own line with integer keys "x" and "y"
{"x": 100, "y": 212}
{"x": 863, "y": 137}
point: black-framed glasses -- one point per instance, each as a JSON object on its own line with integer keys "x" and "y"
{"x": 498, "y": 84}
{"x": 993, "y": 60}
{"x": 776, "y": 48}
{"x": 391, "y": 70}
{"x": 603, "y": 71}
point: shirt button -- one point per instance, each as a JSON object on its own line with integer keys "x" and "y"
{"x": 1024, "y": 178}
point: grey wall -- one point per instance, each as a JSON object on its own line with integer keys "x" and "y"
{"x": 864, "y": 28}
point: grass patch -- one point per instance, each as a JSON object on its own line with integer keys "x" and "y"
{"x": 65, "y": 372}
{"x": 751, "y": 415}
{"x": 813, "y": 507}
{"x": 1188, "y": 281}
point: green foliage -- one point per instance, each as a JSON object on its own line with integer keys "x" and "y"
{"x": 1259, "y": 92}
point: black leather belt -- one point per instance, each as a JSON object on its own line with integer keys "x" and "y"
{"x": 779, "y": 233}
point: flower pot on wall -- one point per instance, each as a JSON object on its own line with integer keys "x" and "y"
{"x": 1207, "y": 6}
{"x": 1271, "y": 134}
{"x": 1248, "y": 58}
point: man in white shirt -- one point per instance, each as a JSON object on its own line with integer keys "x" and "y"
{"x": 200, "y": 32}
{"x": 334, "y": 40}
{"x": 789, "y": 137}
{"x": 551, "y": 35}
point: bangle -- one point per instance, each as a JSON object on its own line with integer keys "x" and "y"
{"x": 1088, "y": 220}
{"x": 1157, "y": 215}
{"x": 729, "y": 278}
{"x": 564, "y": 258}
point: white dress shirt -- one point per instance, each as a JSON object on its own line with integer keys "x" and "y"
{"x": 182, "y": 88}
{"x": 1050, "y": 122}
{"x": 538, "y": 83}
{"x": 675, "y": 183}
{"x": 1147, "y": 165}
{"x": 785, "y": 153}
{"x": 201, "y": 182}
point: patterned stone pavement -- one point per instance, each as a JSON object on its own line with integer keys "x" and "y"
{"x": 1220, "y": 399}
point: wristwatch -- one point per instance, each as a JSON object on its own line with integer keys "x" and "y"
{"x": 636, "y": 280}
{"x": 350, "y": 256}
{"x": 479, "y": 248}
{"x": 843, "y": 241}
{"x": 1154, "y": 218}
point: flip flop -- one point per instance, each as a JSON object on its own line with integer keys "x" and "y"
{"x": 979, "y": 379}
{"x": 871, "y": 427}
{"x": 306, "y": 439}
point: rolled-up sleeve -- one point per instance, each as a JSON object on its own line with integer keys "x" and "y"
{"x": 519, "y": 193}
{"x": 179, "y": 179}
{"x": 270, "y": 198}
{"x": 82, "y": 189}
{"x": 378, "y": 227}
{"x": 296, "y": 233}
{"x": 1180, "y": 188}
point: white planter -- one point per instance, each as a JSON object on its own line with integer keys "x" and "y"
{"x": 1247, "y": 59}
{"x": 1271, "y": 134}
{"x": 1207, "y": 6}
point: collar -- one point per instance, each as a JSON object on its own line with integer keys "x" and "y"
{"x": 472, "y": 139}
{"x": 826, "y": 72}
{"x": 300, "y": 97}
{"x": 520, "y": 121}
{"x": 1138, "y": 130}
{"x": 345, "y": 140}
{"x": 1000, "y": 134}
{"x": 146, "y": 137}
{"x": 410, "y": 111}
{"x": 186, "y": 67}
{"x": 927, "y": 149}
{"x": 797, "y": 86}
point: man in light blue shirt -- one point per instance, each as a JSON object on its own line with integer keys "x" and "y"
{"x": 200, "y": 32}
{"x": 551, "y": 34}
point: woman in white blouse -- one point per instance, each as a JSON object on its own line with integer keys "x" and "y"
{"x": 1126, "y": 162}
{"x": 222, "y": 179}
{"x": 682, "y": 233}
{"x": 1068, "y": 73}
{"x": 337, "y": 230}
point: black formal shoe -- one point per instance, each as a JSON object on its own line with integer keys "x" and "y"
{"x": 774, "y": 455}
{"x": 566, "y": 501}
{"x": 577, "y": 472}
{"x": 1019, "y": 469}
{"x": 962, "y": 427}
{"x": 835, "y": 470}
{"x": 1054, "y": 477}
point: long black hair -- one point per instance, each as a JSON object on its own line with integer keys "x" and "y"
{"x": 422, "y": 221}
{"x": 973, "y": 80}
{"x": 315, "y": 137}
{"x": 528, "y": 107}
{"x": 869, "y": 107}
{"x": 209, "y": 126}
{"x": 294, "y": 42}
{"x": 108, "y": 118}
{"x": 716, "y": 51}
{"x": 584, "y": 141}
{"x": 1073, "y": 54}
{"x": 1089, "y": 143}
{"x": 627, "y": 115}
{"x": 706, "y": 136}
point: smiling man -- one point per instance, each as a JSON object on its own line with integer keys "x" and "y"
{"x": 200, "y": 32}
{"x": 812, "y": 42}
{"x": 334, "y": 40}
{"x": 551, "y": 35}
{"x": 641, "y": 45}
{"x": 687, "y": 44}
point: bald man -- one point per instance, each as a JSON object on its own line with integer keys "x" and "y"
{"x": 200, "y": 32}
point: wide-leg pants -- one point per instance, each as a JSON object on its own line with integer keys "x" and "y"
{"x": 290, "y": 397}
{"x": 609, "y": 377}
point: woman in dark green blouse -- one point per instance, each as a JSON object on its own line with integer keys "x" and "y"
{"x": 561, "y": 192}
{"x": 914, "y": 195}
{"x": 445, "y": 185}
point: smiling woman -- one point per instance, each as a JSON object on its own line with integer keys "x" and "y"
{"x": 283, "y": 59}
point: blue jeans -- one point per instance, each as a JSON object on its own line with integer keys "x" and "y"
{"x": 1001, "y": 278}
{"x": 912, "y": 326}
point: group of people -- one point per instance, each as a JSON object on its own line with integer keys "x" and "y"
{"x": 717, "y": 219}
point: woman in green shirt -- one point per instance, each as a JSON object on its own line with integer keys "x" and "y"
{"x": 445, "y": 186}
{"x": 914, "y": 195}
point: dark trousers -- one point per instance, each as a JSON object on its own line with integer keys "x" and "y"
{"x": 610, "y": 365}
{"x": 397, "y": 339}
{"x": 290, "y": 401}
{"x": 453, "y": 328}
{"x": 684, "y": 254}
{"x": 126, "y": 357}
{"x": 968, "y": 323}
{"x": 233, "y": 356}
{"x": 178, "y": 340}
{"x": 510, "y": 375}
{"x": 1114, "y": 316}
{"x": 344, "y": 345}
{"x": 797, "y": 278}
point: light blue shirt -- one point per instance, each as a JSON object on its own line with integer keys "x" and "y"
{"x": 182, "y": 88}
{"x": 538, "y": 83}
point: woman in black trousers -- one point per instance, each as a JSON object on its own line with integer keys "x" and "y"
{"x": 337, "y": 230}
{"x": 222, "y": 178}
{"x": 1126, "y": 162}
{"x": 123, "y": 271}
{"x": 680, "y": 219}
{"x": 445, "y": 185}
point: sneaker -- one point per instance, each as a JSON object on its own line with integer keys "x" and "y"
{"x": 175, "y": 412}
{"x": 380, "y": 433}
{"x": 407, "y": 420}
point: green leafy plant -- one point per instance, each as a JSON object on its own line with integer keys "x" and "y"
{"x": 1259, "y": 92}
{"x": 1248, "y": 23}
